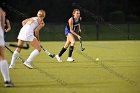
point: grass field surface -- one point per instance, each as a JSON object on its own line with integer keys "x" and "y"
{"x": 117, "y": 71}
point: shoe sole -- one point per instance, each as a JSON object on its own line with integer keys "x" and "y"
{"x": 58, "y": 60}
{"x": 11, "y": 67}
{"x": 9, "y": 85}
{"x": 28, "y": 66}
{"x": 70, "y": 61}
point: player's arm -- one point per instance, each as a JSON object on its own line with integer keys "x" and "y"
{"x": 2, "y": 19}
{"x": 29, "y": 21}
{"x": 8, "y": 25}
{"x": 71, "y": 28}
{"x": 79, "y": 26}
{"x": 24, "y": 22}
{"x": 38, "y": 28}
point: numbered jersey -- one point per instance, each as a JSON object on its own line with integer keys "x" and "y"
{"x": 75, "y": 25}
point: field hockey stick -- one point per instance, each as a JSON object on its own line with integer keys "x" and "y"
{"x": 81, "y": 44}
{"x": 14, "y": 45}
{"x": 47, "y": 52}
{"x": 13, "y": 52}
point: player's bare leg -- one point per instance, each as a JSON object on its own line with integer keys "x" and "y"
{"x": 36, "y": 45}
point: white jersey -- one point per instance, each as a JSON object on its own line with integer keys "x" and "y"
{"x": 27, "y": 31}
{"x": 2, "y": 42}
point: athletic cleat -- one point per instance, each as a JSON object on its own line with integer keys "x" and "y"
{"x": 11, "y": 66}
{"x": 58, "y": 58}
{"x": 70, "y": 59}
{"x": 8, "y": 84}
{"x": 27, "y": 64}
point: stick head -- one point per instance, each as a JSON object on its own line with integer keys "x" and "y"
{"x": 82, "y": 49}
{"x": 52, "y": 55}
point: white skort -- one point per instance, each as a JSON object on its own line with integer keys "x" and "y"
{"x": 26, "y": 34}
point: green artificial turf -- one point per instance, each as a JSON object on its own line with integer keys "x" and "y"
{"x": 117, "y": 71}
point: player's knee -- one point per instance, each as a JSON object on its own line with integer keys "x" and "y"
{"x": 73, "y": 43}
{"x": 66, "y": 46}
{"x": 18, "y": 50}
{"x": 39, "y": 49}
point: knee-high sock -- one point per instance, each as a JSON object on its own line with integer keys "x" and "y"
{"x": 32, "y": 55}
{"x": 14, "y": 57}
{"x": 70, "y": 51}
{"x": 62, "y": 51}
{"x": 4, "y": 70}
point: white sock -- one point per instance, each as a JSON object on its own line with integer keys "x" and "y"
{"x": 32, "y": 55}
{"x": 14, "y": 57}
{"x": 4, "y": 70}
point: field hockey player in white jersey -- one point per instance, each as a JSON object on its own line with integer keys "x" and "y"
{"x": 3, "y": 63}
{"x": 29, "y": 33}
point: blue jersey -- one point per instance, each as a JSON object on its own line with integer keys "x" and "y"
{"x": 75, "y": 25}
